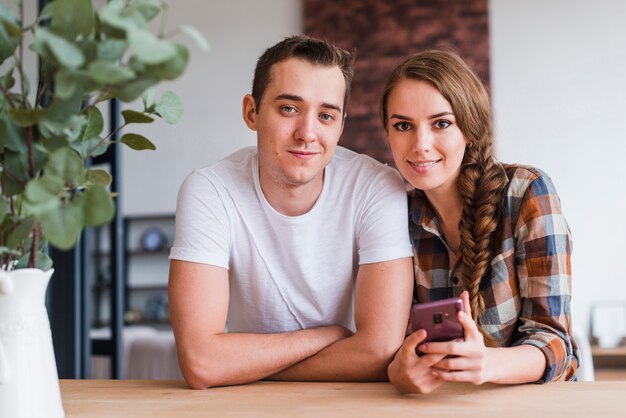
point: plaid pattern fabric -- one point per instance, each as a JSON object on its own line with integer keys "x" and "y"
{"x": 527, "y": 290}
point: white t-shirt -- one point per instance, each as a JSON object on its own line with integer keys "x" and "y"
{"x": 291, "y": 272}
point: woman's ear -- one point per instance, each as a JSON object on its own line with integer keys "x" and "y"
{"x": 248, "y": 109}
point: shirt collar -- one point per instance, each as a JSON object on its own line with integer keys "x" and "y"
{"x": 422, "y": 214}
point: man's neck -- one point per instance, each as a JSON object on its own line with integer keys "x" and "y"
{"x": 290, "y": 200}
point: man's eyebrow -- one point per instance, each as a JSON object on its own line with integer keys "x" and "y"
{"x": 285, "y": 96}
{"x": 295, "y": 98}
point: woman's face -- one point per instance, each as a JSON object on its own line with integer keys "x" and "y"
{"x": 426, "y": 143}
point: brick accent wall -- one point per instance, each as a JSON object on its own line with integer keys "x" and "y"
{"x": 384, "y": 32}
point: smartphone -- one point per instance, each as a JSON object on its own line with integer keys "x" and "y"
{"x": 439, "y": 319}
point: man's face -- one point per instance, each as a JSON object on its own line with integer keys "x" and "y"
{"x": 298, "y": 124}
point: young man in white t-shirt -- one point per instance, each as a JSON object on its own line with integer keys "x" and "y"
{"x": 298, "y": 247}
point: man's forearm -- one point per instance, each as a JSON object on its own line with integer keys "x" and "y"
{"x": 351, "y": 359}
{"x": 232, "y": 358}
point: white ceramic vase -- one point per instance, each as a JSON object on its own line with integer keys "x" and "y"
{"x": 29, "y": 383}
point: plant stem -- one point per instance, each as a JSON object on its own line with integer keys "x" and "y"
{"x": 32, "y": 262}
{"x": 28, "y": 134}
{"x": 106, "y": 138}
{"x": 7, "y": 95}
{"x": 104, "y": 91}
{"x": 21, "y": 54}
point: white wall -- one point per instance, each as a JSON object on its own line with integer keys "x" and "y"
{"x": 558, "y": 73}
{"x": 211, "y": 89}
{"x": 559, "y": 93}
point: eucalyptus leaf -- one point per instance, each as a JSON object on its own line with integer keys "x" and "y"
{"x": 170, "y": 108}
{"x": 21, "y": 231}
{"x": 10, "y": 187}
{"x": 14, "y": 139}
{"x": 171, "y": 68}
{"x": 98, "y": 207}
{"x": 3, "y": 134}
{"x": 89, "y": 48}
{"x": 131, "y": 90}
{"x": 137, "y": 142}
{"x": 66, "y": 164}
{"x": 26, "y": 117}
{"x": 66, "y": 53}
{"x": 198, "y": 38}
{"x": 63, "y": 225}
{"x": 95, "y": 123}
{"x": 8, "y": 81}
{"x": 8, "y": 42}
{"x": 72, "y": 17}
{"x": 61, "y": 110}
{"x": 148, "y": 9}
{"x": 64, "y": 84}
{"x": 111, "y": 49}
{"x": 16, "y": 166}
{"x": 4, "y": 209}
{"x": 43, "y": 261}
{"x": 97, "y": 176}
{"x": 43, "y": 189}
{"x": 7, "y": 14}
{"x": 106, "y": 72}
{"x": 8, "y": 251}
{"x": 112, "y": 15}
{"x": 148, "y": 99}
{"x": 149, "y": 49}
{"x": 131, "y": 116}
{"x": 54, "y": 143}
{"x": 91, "y": 147}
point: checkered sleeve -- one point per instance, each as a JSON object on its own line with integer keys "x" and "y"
{"x": 543, "y": 252}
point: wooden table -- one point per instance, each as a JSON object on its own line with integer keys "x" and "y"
{"x": 171, "y": 399}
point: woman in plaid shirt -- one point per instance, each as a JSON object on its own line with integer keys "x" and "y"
{"x": 490, "y": 233}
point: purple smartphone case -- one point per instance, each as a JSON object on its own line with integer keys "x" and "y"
{"x": 438, "y": 319}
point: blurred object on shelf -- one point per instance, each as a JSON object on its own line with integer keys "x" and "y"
{"x": 608, "y": 324}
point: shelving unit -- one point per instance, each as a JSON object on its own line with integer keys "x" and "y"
{"x": 145, "y": 273}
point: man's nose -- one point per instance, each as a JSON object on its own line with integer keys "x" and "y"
{"x": 307, "y": 129}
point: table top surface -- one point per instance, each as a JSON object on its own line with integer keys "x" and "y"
{"x": 152, "y": 398}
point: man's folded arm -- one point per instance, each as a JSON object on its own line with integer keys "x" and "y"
{"x": 381, "y": 308}
{"x": 198, "y": 297}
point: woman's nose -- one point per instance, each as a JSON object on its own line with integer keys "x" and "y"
{"x": 422, "y": 140}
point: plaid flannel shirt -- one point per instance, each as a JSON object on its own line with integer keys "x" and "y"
{"x": 527, "y": 289}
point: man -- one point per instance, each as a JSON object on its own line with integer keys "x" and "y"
{"x": 300, "y": 247}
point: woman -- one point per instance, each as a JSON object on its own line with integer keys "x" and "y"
{"x": 490, "y": 233}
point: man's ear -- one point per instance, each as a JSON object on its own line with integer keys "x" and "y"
{"x": 248, "y": 109}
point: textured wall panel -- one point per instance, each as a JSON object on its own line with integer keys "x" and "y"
{"x": 383, "y": 34}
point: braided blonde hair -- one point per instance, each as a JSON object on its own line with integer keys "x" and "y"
{"x": 482, "y": 179}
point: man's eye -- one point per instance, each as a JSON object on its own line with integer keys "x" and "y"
{"x": 402, "y": 126}
{"x": 443, "y": 124}
{"x": 326, "y": 117}
{"x": 288, "y": 109}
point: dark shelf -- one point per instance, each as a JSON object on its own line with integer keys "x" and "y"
{"x": 146, "y": 288}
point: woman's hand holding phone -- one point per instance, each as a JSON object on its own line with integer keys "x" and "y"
{"x": 461, "y": 361}
{"x": 411, "y": 373}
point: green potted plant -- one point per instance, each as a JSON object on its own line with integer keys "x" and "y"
{"x": 49, "y": 129}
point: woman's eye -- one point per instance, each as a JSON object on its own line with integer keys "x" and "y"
{"x": 402, "y": 126}
{"x": 442, "y": 124}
